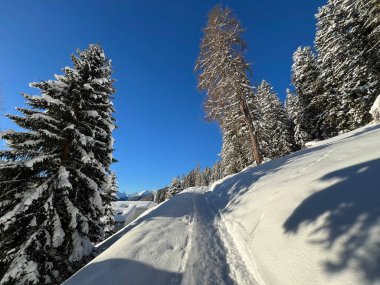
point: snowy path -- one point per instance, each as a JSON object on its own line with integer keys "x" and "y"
{"x": 209, "y": 261}
{"x": 180, "y": 242}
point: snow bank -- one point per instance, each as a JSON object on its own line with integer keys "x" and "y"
{"x": 312, "y": 217}
{"x": 148, "y": 252}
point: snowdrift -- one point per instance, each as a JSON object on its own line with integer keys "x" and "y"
{"x": 312, "y": 217}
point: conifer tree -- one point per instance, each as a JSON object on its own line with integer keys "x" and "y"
{"x": 207, "y": 176}
{"x": 174, "y": 188}
{"x": 306, "y": 81}
{"x": 198, "y": 176}
{"x": 217, "y": 171}
{"x": 276, "y": 124}
{"x": 109, "y": 195}
{"x": 236, "y": 149}
{"x": 223, "y": 72}
{"x": 369, "y": 11}
{"x": 294, "y": 113}
{"x": 233, "y": 154}
{"x": 189, "y": 179}
{"x": 51, "y": 183}
{"x": 347, "y": 58}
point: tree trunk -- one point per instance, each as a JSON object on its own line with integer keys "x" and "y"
{"x": 252, "y": 132}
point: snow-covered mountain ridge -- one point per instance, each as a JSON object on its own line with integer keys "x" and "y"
{"x": 122, "y": 196}
{"x": 312, "y": 217}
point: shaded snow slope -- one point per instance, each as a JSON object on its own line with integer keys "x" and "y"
{"x": 312, "y": 217}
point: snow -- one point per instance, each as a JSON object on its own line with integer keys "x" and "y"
{"x": 127, "y": 211}
{"x": 38, "y": 159}
{"x": 63, "y": 178}
{"x": 59, "y": 234}
{"x": 311, "y": 144}
{"x": 87, "y": 86}
{"x": 311, "y": 217}
{"x": 375, "y": 110}
{"x": 100, "y": 80}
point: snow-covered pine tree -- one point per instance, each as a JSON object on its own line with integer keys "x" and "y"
{"x": 294, "y": 113}
{"x": 234, "y": 151}
{"x": 198, "y": 176}
{"x": 223, "y": 71}
{"x": 217, "y": 171}
{"x": 54, "y": 172}
{"x": 276, "y": 124}
{"x": 109, "y": 195}
{"x": 350, "y": 73}
{"x": 306, "y": 81}
{"x": 262, "y": 136}
{"x": 230, "y": 154}
{"x": 189, "y": 179}
{"x": 174, "y": 188}
{"x": 369, "y": 11}
{"x": 207, "y": 176}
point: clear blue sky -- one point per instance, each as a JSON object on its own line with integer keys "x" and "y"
{"x": 153, "y": 46}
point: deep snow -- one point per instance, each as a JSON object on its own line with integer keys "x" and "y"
{"x": 312, "y": 217}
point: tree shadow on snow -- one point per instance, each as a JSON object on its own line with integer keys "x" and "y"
{"x": 352, "y": 209}
{"x": 121, "y": 272}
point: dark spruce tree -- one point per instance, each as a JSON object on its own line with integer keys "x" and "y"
{"x": 295, "y": 114}
{"x": 275, "y": 123}
{"x": 348, "y": 57}
{"x": 54, "y": 173}
{"x": 307, "y": 85}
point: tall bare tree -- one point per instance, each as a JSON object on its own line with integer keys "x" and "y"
{"x": 223, "y": 72}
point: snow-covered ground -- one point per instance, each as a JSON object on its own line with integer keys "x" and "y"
{"x": 128, "y": 211}
{"x": 312, "y": 217}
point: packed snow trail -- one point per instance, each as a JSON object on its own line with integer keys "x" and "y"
{"x": 178, "y": 242}
{"x": 208, "y": 262}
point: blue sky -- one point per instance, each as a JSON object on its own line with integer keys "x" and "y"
{"x": 153, "y": 46}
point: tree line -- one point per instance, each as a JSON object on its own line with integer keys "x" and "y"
{"x": 335, "y": 83}
{"x": 56, "y": 185}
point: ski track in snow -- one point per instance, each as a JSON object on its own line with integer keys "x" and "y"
{"x": 210, "y": 261}
{"x": 197, "y": 246}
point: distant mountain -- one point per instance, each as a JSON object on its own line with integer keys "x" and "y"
{"x": 137, "y": 196}
{"x": 122, "y": 196}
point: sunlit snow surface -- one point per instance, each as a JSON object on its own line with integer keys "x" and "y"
{"x": 312, "y": 217}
